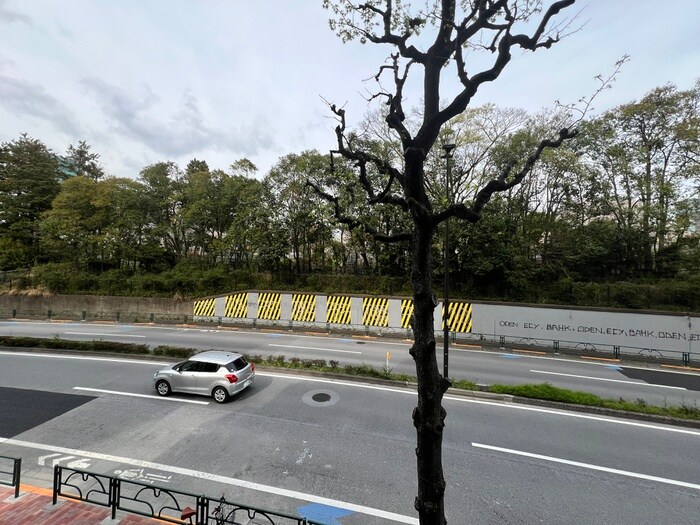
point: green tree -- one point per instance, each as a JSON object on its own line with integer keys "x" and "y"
{"x": 456, "y": 27}
{"x": 72, "y": 228}
{"x": 129, "y": 236}
{"x": 79, "y": 161}
{"x": 660, "y": 137}
{"x": 29, "y": 180}
{"x": 298, "y": 213}
{"x": 163, "y": 182}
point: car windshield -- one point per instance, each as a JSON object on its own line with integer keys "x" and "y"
{"x": 238, "y": 364}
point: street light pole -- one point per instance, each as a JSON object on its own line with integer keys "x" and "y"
{"x": 448, "y": 148}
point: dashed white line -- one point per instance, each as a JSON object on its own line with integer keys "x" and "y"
{"x": 316, "y": 348}
{"x": 637, "y": 383}
{"x": 96, "y": 334}
{"x": 86, "y": 358}
{"x": 130, "y": 394}
{"x": 589, "y": 466}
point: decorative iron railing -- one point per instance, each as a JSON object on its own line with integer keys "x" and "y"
{"x": 170, "y": 506}
{"x": 10, "y": 477}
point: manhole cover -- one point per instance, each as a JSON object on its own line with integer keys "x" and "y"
{"x": 320, "y": 398}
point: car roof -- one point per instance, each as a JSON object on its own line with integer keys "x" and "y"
{"x": 215, "y": 356}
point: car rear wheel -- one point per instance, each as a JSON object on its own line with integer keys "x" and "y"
{"x": 219, "y": 394}
{"x": 163, "y": 388}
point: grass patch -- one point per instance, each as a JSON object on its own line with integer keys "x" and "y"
{"x": 85, "y": 346}
{"x": 548, "y": 392}
{"x": 321, "y": 365}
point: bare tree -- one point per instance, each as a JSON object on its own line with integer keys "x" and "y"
{"x": 460, "y": 29}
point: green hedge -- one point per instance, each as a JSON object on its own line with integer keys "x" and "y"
{"x": 188, "y": 280}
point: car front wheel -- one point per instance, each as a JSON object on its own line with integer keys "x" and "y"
{"x": 163, "y": 388}
{"x": 220, "y": 395}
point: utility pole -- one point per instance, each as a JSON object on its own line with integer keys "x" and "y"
{"x": 449, "y": 149}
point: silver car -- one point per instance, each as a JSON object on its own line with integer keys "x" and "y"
{"x": 213, "y": 373}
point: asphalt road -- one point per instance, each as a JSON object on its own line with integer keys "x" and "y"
{"x": 346, "y": 449}
{"x": 611, "y": 380}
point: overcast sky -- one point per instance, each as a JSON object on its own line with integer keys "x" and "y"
{"x": 144, "y": 81}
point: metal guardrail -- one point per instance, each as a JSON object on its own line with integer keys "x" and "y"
{"x": 169, "y": 506}
{"x": 11, "y": 477}
{"x": 514, "y": 343}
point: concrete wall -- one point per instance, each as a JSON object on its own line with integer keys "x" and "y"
{"x": 650, "y": 333}
{"x": 74, "y": 305}
{"x": 641, "y": 330}
{"x": 632, "y": 332}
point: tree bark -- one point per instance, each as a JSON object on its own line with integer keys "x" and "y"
{"x": 429, "y": 415}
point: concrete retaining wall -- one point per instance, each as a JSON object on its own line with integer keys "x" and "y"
{"x": 73, "y": 306}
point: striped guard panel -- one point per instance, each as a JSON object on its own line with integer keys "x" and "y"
{"x": 205, "y": 307}
{"x": 375, "y": 311}
{"x": 460, "y": 317}
{"x": 237, "y": 305}
{"x": 269, "y": 306}
{"x": 338, "y": 311}
{"x": 304, "y": 307}
{"x": 406, "y": 312}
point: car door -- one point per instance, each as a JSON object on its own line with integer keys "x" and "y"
{"x": 206, "y": 378}
{"x": 185, "y": 380}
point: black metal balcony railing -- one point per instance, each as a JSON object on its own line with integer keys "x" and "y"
{"x": 10, "y": 477}
{"x": 170, "y": 506}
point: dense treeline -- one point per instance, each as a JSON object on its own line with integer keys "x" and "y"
{"x": 611, "y": 218}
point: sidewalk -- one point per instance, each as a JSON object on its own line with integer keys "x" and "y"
{"x": 34, "y": 507}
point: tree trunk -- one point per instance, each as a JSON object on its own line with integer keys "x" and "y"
{"x": 429, "y": 415}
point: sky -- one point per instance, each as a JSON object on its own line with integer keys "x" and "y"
{"x": 145, "y": 81}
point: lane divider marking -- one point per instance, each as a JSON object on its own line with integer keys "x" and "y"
{"x": 606, "y": 379}
{"x": 316, "y": 348}
{"x": 589, "y": 466}
{"x": 105, "y": 335}
{"x": 129, "y": 394}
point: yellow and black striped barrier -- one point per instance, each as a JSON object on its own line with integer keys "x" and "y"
{"x": 237, "y": 305}
{"x": 406, "y": 312}
{"x": 375, "y": 311}
{"x": 205, "y": 307}
{"x": 304, "y": 307}
{"x": 338, "y": 310}
{"x": 460, "y": 317}
{"x": 269, "y": 306}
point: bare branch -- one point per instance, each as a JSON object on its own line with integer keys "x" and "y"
{"x": 353, "y": 223}
{"x": 505, "y": 181}
{"x": 362, "y": 158}
{"x": 467, "y": 30}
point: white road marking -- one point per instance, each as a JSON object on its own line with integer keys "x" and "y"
{"x": 87, "y": 358}
{"x": 589, "y": 466}
{"x": 316, "y": 348}
{"x": 117, "y": 393}
{"x": 638, "y": 383}
{"x": 406, "y": 391}
{"x": 496, "y": 404}
{"x": 97, "y": 334}
{"x": 220, "y": 479}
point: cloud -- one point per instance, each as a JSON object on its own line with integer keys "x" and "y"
{"x": 25, "y": 99}
{"x": 173, "y": 132}
{"x": 7, "y": 16}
